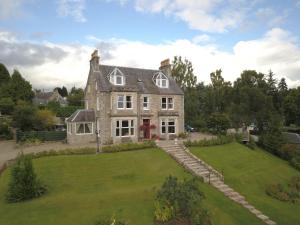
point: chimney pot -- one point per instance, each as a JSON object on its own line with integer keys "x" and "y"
{"x": 165, "y": 62}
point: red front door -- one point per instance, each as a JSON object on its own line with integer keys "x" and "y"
{"x": 146, "y": 126}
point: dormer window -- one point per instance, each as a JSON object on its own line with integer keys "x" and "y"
{"x": 116, "y": 77}
{"x": 161, "y": 80}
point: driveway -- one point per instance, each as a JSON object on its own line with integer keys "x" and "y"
{"x": 9, "y": 150}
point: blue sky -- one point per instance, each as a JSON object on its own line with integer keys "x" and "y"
{"x": 43, "y": 38}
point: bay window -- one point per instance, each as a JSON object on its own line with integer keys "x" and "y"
{"x": 84, "y": 128}
{"x": 168, "y": 126}
{"x": 124, "y": 128}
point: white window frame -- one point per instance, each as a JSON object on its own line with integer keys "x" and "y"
{"x": 167, "y": 103}
{"x": 69, "y": 128}
{"x": 96, "y": 86}
{"x": 98, "y": 103}
{"x": 131, "y": 128}
{"x": 158, "y": 79}
{"x": 84, "y": 128}
{"x": 166, "y": 125}
{"x": 124, "y": 101}
{"x": 147, "y": 102}
{"x": 114, "y": 75}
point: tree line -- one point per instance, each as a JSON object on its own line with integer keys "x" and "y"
{"x": 16, "y": 104}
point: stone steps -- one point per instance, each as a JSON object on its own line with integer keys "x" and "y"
{"x": 200, "y": 168}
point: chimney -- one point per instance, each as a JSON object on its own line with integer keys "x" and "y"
{"x": 95, "y": 60}
{"x": 165, "y": 67}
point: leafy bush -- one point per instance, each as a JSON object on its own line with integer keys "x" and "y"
{"x": 24, "y": 184}
{"x": 128, "y": 146}
{"x": 220, "y": 140}
{"x": 111, "y": 221}
{"x": 180, "y": 201}
{"x": 290, "y": 193}
{"x": 67, "y": 151}
{"x": 183, "y": 135}
{"x": 218, "y": 123}
{"x": 5, "y": 130}
{"x": 295, "y": 162}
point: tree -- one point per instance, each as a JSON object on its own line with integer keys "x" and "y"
{"x": 282, "y": 86}
{"x": 183, "y": 73}
{"x": 64, "y": 92}
{"x": 218, "y": 122}
{"x": 4, "y": 75}
{"x": 25, "y": 116}
{"x": 76, "y": 96}
{"x": 45, "y": 120}
{"x": 24, "y": 184}
{"x": 6, "y": 105}
{"x": 19, "y": 88}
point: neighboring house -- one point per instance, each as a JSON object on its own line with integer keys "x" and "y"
{"x": 292, "y": 138}
{"x": 43, "y": 98}
{"x": 128, "y": 104}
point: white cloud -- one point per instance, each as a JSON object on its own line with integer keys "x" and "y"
{"x": 201, "y": 38}
{"x": 69, "y": 64}
{"x": 205, "y": 15}
{"x": 272, "y": 17}
{"x": 72, "y": 8}
{"x": 10, "y": 8}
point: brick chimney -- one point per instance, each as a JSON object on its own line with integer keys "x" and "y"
{"x": 165, "y": 67}
{"x": 95, "y": 60}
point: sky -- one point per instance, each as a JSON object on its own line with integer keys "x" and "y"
{"x": 50, "y": 42}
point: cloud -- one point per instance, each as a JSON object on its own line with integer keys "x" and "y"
{"x": 205, "y": 15}
{"x": 9, "y": 8}
{"x": 273, "y": 18}
{"x": 47, "y": 65}
{"x": 72, "y": 8}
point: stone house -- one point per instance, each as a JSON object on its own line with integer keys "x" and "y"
{"x": 43, "y": 98}
{"x": 128, "y": 104}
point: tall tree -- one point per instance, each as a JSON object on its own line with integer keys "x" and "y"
{"x": 282, "y": 86}
{"x": 4, "y": 75}
{"x": 64, "y": 92}
{"x": 76, "y": 97}
{"x": 19, "y": 88}
{"x": 183, "y": 73}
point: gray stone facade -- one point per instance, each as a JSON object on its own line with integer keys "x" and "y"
{"x": 119, "y": 108}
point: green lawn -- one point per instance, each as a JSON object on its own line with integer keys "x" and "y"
{"x": 249, "y": 172}
{"x": 83, "y": 188}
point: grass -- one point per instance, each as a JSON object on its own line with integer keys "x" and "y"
{"x": 82, "y": 188}
{"x": 249, "y": 172}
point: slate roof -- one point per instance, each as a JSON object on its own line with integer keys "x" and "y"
{"x": 82, "y": 115}
{"x": 292, "y": 138}
{"x": 135, "y": 80}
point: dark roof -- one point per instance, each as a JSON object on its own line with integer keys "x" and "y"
{"x": 82, "y": 115}
{"x": 44, "y": 95}
{"x": 292, "y": 138}
{"x": 135, "y": 80}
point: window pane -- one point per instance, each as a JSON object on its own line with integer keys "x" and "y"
{"x": 79, "y": 128}
{"x": 164, "y": 83}
{"x": 125, "y": 123}
{"x": 132, "y": 123}
{"x": 88, "y": 128}
{"x": 164, "y": 100}
{"x": 128, "y": 105}
{"x": 171, "y": 129}
{"x": 145, "y": 99}
{"x": 119, "y": 80}
{"x": 118, "y": 123}
{"x": 120, "y": 105}
{"x": 125, "y": 131}
{"x": 117, "y": 132}
{"x": 132, "y": 131}
{"x": 163, "y": 129}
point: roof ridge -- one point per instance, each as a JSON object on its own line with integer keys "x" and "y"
{"x": 127, "y": 67}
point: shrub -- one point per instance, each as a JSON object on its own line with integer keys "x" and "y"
{"x": 180, "y": 201}
{"x": 220, "y": 140}
{"x": 291, "y": 193}
{"x": 295, "y": 162}
{"x": 24, "y": 184}
{"x": 111, "y": 221}
{"x": 67, "y": 151}
{"x": 128, "y": 146}
{"x": 5, "y": 130}
{"x": 183, "y": 135}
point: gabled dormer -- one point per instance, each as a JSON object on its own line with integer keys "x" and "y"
{"x": 161, "y": 80}
{"x": 116, "y": 77}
